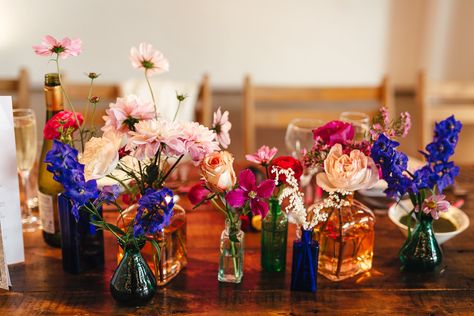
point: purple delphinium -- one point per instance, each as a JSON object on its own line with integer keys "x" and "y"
{"x": 155, "y": 209}
{"x": 250, "y": 194}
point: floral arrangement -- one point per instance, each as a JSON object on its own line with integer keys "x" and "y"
{"x": 425, "y": 185}
{"x": 138, "y": 149}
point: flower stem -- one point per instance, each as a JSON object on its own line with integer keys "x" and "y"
{"x": 151, "y": 92}
{"x": 177, "y": 110}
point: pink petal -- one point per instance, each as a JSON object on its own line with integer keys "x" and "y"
{"x": 265, "y": 189}
{"x": 247, "y": 180}
{"x": 49, "y": 40}
{"x": 258, "y": 207}
{"x": 236, "y": 198}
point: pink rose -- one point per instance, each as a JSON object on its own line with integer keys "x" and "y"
{"x": 218, "y": 171}
{"x": 334, "y": 132}
{"x": 347, "y": 172}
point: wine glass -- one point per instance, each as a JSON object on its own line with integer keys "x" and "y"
{"x": 360, "y": 121}
{"x": 299, "y": 135}
{"x": 26, "y": 144}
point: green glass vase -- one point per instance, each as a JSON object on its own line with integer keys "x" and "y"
{"x": 133, "y": 283}
{"x": 274, "y": 238}
{"x": 421, "y": 251}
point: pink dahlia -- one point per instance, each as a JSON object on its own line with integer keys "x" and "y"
{"x": 126, "y": 112}
{"x": 222, "y": 126}
{"x": 63, "y": 48}
{"x": 200, "y": 141}
{"x": 149, "y": 59}
{"x": 263, "y": 156}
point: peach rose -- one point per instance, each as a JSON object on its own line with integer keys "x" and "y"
{"x": 100, "y": 157}
{"x": 347, "y": 172}
{"x": 218, "y": 171}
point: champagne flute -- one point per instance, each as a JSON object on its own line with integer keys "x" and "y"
{"x": 26, "y": 144}
{"x": 299, "y": 136}
{"x": 360, "y": 121}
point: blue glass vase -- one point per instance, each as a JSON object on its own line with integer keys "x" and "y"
{"x": 304, "y": 268}
{"x": 82, "y": 244}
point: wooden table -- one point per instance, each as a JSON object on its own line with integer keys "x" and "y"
{"x": 41, "y": 287}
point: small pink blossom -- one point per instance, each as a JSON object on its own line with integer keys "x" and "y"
{"x": 149, "y": 59}
{"x": 64, "y": 48}
{"x": 435, "y": 204}
{"x": 125, "y": 112}
{"x": 405, "y": 118}
{"x": 199, "y": 140}
{"x": 263, "y": 156}
{"x": 385, "y": 115}
{"x": 222, "y": 126}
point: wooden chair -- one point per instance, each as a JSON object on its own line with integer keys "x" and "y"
{"x": 279, "y": 117}
{"x": 19, "y": 87}
{"x": 438, "y": 100}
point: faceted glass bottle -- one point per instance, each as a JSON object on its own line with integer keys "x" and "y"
{"x": 304, "y": 267}
{"x": 346, "y": 240}
{"x": 172, "y": 242}
{"x": 231, "y": 258}
{"x": 274, "y": 238}
{"x": 421, "y": 251}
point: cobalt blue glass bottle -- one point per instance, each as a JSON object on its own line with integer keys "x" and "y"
{"x": 305, "y": 263}
{"x": 82, "y": 244}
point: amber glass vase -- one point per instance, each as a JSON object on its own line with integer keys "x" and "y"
{"x": 172, "y": 242}
{"x": 346, "y": 239}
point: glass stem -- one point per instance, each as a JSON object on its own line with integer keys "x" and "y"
{"x": 24, "y": 175}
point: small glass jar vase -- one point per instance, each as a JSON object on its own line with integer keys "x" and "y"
{"x": 304, "y": 268}
{"x": 231, "y": 257}
{"x": 171, "y": 240}
{"x": 346, "y": 238}
{"x": 421, "y": 251}
{"x": 82, "y": 244}
{"x": 274, "y": 238}
{"x": 133, "y": 283}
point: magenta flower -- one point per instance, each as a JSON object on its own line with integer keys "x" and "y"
{"x": 64, "y": 48}
{"x": 198, "y": 193}
{"x": 149, "y": 59}
{"x": 222, "y": 126}
{"x": 249, "y": 192}
{"x": 435, "y": 204}
{"x": 263, "y": 156}
{"x": 334, "y": 132}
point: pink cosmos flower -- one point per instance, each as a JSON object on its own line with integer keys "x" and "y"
{"x": 149, "y": 135}
{"x": 248, "y": 191}
{"x": 435, "y": 204}
{"x": 149, "y": 59}
{"x": 64, "y": 48}
{"x": 263, "y": 156}
{"x": 199, "y": 140}
{"x": 125, "y": 112}
{"x": 222, "y": 126}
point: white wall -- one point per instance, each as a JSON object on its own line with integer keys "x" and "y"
{"x": 278, "y": 41}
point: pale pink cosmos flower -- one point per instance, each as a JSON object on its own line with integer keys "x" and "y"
{"x": 64, "y": 48}
{"x": 263, "y": 156}
{"x": 222, "y": 126}
{"x": 200, "y": 140}
{"x": 435, "y": 204}
{"x": 149, "y": 59}
{"x": 149, "y": 135}
{"x": 125, "y": 112}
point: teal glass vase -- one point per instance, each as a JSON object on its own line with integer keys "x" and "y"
{"x": 421, "y": 251}
{"x": 133, "y": 283}
{"x": 274, "y": 238}
{"x": 231, "y": 258}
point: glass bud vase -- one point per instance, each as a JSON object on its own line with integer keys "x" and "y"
{"x": 274, "y": 238}
{"x": 346, "y": 238}
{"x": 133, "y": 283}
{"x": 304, "y": 267}
{"x": 172, "y": 241}
{"x": 421, "y": 251}
{"x": 231, "y": 258}
{"x": 82, "y": 244}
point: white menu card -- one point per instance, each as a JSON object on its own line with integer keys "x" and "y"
{"x": 10, "y": 212}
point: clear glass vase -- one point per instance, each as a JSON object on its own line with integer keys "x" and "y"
{"x": 172, "y": 241}
{"x": 346, "y": 239}
{"x": 304, "y": 268}
{"x": 231, "y": 258}
{"x": 421, "y": 251}
{"x": 274, "y": 238}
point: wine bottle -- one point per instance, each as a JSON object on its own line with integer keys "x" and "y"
{"x": 48, "y": 188}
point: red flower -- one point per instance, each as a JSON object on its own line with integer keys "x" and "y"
{"x": 61, "y": 122}
{"x": 198, "y": 193}
{"x": 287, "y": 162}
{"x": 334, "y": 132}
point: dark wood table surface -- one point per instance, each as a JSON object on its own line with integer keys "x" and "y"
{"x": 40, "y": 287}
